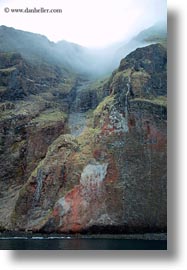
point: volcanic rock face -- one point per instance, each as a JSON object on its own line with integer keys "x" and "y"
{"x": 112, "y": 176}
{"x": 145, "y": 69}
{"x": 19, "y": 79}
{"x": 30, "y": 120}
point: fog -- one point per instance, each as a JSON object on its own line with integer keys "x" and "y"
{"x": 90, "y": 23}
{"x": 82, "y": 60}
{"x": 102, "y": 61}
{"x": 89, "y": 37}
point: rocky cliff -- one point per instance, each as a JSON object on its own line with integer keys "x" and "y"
{"x": 31, "y": 117}
{"x": 110, "y": 177}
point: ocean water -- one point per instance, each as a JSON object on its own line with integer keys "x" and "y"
{"x": 73, "y": 243}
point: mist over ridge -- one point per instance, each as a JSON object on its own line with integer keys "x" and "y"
{"x": 94, "y": 62}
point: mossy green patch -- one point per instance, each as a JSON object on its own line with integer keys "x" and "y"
{"x": 86, "y": 138}
{"x": 141, "y": 73}
{"x": 7, "y": 70}
{"x": 17, "y": 146}
{"x": 160, "y": 100}
{"x": 63, "y": 141}
{"x": 49, "y": 117}
{"x": 6, "y": 115}
{"x": 66, "y": 86}
{"x": 122, "y": 74}
{"x": 108, "y": 101}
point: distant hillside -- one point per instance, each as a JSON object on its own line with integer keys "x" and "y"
{"x": 37, "y": 48}
{"x": 33, "y": 47}
{"x": 72, "y": 57}
{"x": 154, "y": 34}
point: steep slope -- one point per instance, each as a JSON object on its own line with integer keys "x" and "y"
{"x": 33, "y": 113}
{"x": 36, "y": 95}
{"x": 38, "y": 49}
{"x": 33, "y": 47}
{"x": 19, "y": 78}
{"x": 145, "y": 70}
{"x": 112, "y": 177}
{"x": 154, "y": 34}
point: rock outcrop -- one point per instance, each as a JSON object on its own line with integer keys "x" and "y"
{"x": 110, "y": 178}
{"x": 31, "y": 118}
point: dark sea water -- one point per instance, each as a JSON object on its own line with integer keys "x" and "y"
{"x": 69, "y": 243}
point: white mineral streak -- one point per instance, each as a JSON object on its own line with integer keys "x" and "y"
{"x": 118, "y": 121}
{"x": 93, "y": 175}
{"x": 91, "y": 180}
{"x": 104, "y": 219}
{"x": 39, "y": 180}
{"x": 64, "y": 206}
{"x": 126, "y": 102}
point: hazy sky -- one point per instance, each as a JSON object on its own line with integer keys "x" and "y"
{"x": 92, "y": 23}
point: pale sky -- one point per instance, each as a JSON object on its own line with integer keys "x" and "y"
{"x": 91, "y": 23}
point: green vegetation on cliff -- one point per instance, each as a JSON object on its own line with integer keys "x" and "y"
{"x": 160, "y": 100}
{"x": 49, "y": 117}
{"x": 112, "y": 174}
